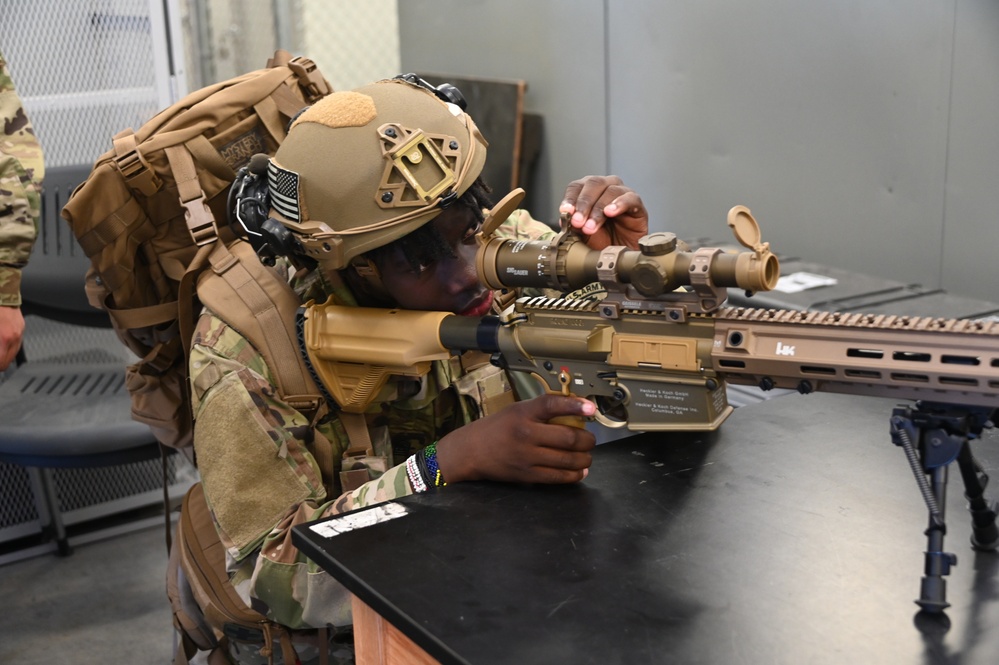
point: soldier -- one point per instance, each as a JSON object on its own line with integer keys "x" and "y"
{"x": 405, "y": 227}
{"x": 21, "y": 173}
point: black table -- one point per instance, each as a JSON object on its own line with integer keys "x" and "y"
{"x": 792, "y": 535}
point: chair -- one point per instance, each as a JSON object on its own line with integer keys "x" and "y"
{"x": 515, "y": 137}
{"x": 65, "y": 404}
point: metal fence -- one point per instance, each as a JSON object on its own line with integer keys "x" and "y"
{"x": 87, "y": 69}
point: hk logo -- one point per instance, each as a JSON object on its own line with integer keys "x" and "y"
{"x": 784, "y": 350}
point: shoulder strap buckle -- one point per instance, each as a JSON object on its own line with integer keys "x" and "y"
{"x": 200, "y": 221}
{"x": 309, "y": 77}
{"x": 136, "y": 171}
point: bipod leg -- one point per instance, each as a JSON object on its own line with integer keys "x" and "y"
{"x": 937, "y": 449}
{"x": 936, "y": 562}
{"x": 984, "y": 532}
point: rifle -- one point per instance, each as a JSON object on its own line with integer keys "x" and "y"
{"x": 656, "y": 351}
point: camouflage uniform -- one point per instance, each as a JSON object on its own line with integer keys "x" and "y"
{"x": 21, "y": 173}
{"x": 261, "y": 476}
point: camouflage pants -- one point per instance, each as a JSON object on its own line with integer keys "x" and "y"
{"x": 340, "y": 649}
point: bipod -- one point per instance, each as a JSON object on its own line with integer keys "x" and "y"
{"x": 933, "y": 435}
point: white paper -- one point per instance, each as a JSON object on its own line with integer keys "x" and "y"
{"x": 802, "y": 281}
{"x": 358, "y": 520}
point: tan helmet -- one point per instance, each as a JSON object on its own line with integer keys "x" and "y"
{"x": 364, "y": 167}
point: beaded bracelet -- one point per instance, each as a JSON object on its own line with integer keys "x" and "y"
{"x": 423, "y": 471}
{"x": 415, "y": 475}
{"x": 433, "y": 471}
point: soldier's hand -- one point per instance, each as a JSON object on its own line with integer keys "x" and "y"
{"x": 11, "y": 331}
{"x": 606, "y": 211}
{"x": 519, "y": 444}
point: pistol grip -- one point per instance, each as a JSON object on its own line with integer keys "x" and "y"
{"x": 572, "y": 421}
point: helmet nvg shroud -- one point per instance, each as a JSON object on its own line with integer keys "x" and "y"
{"x": 364, "y": 167}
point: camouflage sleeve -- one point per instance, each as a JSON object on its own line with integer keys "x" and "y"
{"x": 21, "y": 173}
{"x": 260, "y": 479}
{"x": 521, "y": 226}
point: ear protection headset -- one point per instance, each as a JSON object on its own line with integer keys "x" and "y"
{"x": 249, "y": 216}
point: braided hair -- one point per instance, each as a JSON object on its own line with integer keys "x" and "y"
{"x": 426, "y": 243}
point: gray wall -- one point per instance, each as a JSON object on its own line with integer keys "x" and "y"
{"x": 863, "y": 134}
{"x": 557, "y": 46}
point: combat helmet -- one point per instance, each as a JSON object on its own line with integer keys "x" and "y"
{"x": 364, "y": 167}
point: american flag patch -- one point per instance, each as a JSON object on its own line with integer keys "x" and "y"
{"x": 283, "y": 186}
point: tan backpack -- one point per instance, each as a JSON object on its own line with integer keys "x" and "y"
{"x": 152, "y": 217}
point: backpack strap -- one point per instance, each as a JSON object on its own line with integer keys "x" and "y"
{"x": 252, "y": 299}
{"x": 133, "y": 166}
{"x": 280, "y": 58}
{"x": 206, "y": 155}
{"x": 199, "y": 217}
{"x": 356, "y": 426}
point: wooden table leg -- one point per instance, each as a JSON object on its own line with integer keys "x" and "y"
{"x": 378, "y": 642}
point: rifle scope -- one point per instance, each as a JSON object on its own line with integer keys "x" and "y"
{"x": 657, "y": 268}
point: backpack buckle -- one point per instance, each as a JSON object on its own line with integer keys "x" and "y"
{"x": 137, "y": 173}
{"x": 200, "y": 221}
{"x": 309, "y": 77}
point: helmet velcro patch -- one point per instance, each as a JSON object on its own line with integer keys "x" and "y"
{"x": 340, "y": 109}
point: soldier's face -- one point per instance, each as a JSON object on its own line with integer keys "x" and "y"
{"x": 445, "y": 282}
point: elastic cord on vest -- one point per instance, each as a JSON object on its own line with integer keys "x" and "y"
{"x": 303, "y": 350}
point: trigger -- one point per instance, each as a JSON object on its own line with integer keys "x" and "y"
{"x": 572, "y": 421}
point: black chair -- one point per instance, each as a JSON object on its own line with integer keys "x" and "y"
{"x": 64, "y": 405}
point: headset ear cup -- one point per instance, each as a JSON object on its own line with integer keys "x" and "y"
{"x": 249, "y": 208}
{"x": 278, "y": 238}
